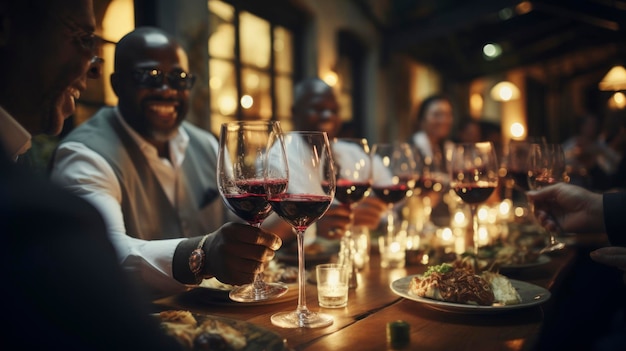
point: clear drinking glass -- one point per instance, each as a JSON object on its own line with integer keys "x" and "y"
{"x": 474, "y": 177}
{"x": 310, "y": 191}
{"x": 546, "y": 166}
{"x": 242, "y": 181}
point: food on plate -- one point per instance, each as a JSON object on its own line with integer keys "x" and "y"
{"x": 459, "y": 283}
{"x": 210, "y": 334}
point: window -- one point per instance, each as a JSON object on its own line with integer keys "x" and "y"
{"x": 251, "y": 69}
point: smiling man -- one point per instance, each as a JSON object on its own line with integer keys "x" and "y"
{"x": 153, "y": 176}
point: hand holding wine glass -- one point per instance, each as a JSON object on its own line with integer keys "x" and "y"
{"x": 474, "y": 177}
{"x": 242, "y": 181}
{"x": 310, "y": 191}
{"x": 546, "y": 166}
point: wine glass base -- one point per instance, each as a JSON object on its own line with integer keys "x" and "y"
{"x": 552, "y": 248}
{"x": 249, "y": 293}
{"x": 301, "y": 319}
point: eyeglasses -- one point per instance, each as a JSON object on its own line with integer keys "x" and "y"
{"x": 87, "y": 41}
{"x": 155, "y": 78}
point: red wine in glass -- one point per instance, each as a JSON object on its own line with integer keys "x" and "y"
{"x": 394, "y": 193}
{"x": 474, "y": 177}
{"x": 350, "y": 192}
{"x": 251, "y": 203}
{"x": 243, "y": 182}
{"x": 309, "y": 193}
{"x": 300, "y": 210}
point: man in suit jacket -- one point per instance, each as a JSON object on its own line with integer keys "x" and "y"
{"x": 152, "y": 175}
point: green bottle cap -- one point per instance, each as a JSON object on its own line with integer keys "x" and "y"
{"x": 398, "y": 334}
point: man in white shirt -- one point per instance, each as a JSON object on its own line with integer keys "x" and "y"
{"x": 152, "y": 175}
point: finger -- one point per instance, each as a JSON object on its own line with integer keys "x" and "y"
{"x": 611, "y": 256}
{"x": 251, "y": 235}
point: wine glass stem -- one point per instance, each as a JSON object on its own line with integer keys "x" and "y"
{"x": 352, "y": 281}
{"x": 474, "y": 228}
{"x": 390, "y": 223}
{"x": 259, "y": 284}
{"x": 301, "y": 273}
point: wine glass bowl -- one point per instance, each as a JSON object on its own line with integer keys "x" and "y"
{"x": 242, "y": 180}
{"x": 394, "y": 175}
{"x": 474, "y": 177}
{"x": 310, "y": 191}
{"x": 434, "y": 179}
{"x": 546, "y": 166}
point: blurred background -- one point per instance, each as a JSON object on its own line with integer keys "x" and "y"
{"x": 531, "y": 67}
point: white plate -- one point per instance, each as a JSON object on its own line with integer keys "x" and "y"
{"x": 531, "y": 295}
{"x": 541, "y": 260}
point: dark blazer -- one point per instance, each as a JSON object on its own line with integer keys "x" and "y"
{"x": 62, "y": 285}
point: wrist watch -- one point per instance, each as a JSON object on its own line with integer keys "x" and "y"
{"x": 196, "y": 260}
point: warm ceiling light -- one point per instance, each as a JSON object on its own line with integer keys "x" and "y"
{"x": 505, "y": 91}
{"x": 615, "y": 80}
{"x": 331, "y": 78}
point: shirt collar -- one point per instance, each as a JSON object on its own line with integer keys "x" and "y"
{"x": 178, "y": 144}
{"x": 15, "y": 139}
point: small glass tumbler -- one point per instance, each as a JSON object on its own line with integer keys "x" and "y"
{"x": 332, "y": 285}
{"x": 392, "y": 251}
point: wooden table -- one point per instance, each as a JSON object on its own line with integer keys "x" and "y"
{"x": 362, "y": 324}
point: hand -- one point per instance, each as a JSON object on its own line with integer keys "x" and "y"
{"x": 611, "y": 256}
{"x": 569, "y": 207}
{"x": 368, "y": 212}
{"x": 237, "y": 252}
{"x": 334, "y": 222}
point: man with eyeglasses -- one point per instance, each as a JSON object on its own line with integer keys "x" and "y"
{"x": 153, "y": 175}
{"x": 61, "y": 280}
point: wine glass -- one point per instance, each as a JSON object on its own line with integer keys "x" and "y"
{"x": 309, "y": 193}
{"x": 474, "y": 177}
{"x": 434, "y": 179}
{"x": 242, "y": 180}
{"x": 354, "y": 177}
{"x": 394, "y": 175}
{"x": 546, "y": 166}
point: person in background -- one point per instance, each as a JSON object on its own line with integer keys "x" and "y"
{"x": 588, "y": 159}
{"x": 315, "y": 108}
{"x": 468, "y": 131}
{"x": 434, "y": 123}
{"x": 599, "y": 323}
{"x": 153, "y": 176}
{"x": 63, "y": 285}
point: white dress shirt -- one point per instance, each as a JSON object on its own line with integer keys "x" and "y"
{"x": 89, "y": 175}
{"x": 15, "y": 139}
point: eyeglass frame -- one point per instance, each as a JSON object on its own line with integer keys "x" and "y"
{"x": 154, "y": 78}
{"x": 87, "y": 41}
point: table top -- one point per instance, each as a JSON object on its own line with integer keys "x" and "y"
{"x": 373, "y": 304}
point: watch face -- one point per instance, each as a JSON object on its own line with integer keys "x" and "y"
{"x": 196, "y": 261}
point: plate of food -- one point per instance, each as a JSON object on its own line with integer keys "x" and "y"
{"x": 515, "y": 266}
{"x": 453, "y": 288}
{"x": 206, "y": 332}
{"x": 214, "y": 291}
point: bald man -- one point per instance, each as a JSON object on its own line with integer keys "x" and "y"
{"x": 315, "y": 108}
{"x": 153, "y": 176}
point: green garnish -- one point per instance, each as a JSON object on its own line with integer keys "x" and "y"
{"x": 442, "y": 268}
